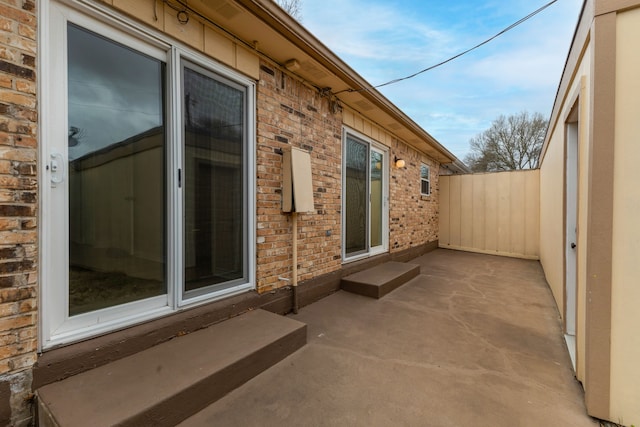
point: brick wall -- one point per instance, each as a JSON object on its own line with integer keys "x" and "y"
{"x": 413, "y": 218}
{"x": 18, "y": 207}
{"x": 293, "y": 114}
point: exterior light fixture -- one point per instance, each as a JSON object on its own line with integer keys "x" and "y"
{"x": 400, "y": 163}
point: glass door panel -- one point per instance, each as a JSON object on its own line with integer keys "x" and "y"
{"x": 116, "y": 155}
{"x": 356, "y": 194}
{"x": 376, "y": 197}
{"x": 215, "y": 195}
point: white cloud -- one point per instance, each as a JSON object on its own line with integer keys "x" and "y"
{"x": 518, "y": 71}
{"x": 375, "y": 31}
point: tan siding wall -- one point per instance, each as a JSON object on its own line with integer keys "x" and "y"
{"x": 355, "y": 121}
{"x": 194, "y": 33}
{"x": 552, "y": 216}
{"x": 494, "y": 213}
{"x": 552, "y": 199}
{"x": 583, "y": 203}
{"x": 625, "y": 313}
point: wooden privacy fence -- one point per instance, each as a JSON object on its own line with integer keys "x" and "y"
{"x": 492, "y": 213}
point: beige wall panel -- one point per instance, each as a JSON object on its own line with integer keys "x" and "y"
{"x": 454, "y": 211}
{"x": 444, "y": 222}
{"x": 518, "y": 213}
{"x": 367, "y": 128}
{"x": 467, "y": 218}
{"x": 480, "y": 209}
{"x": 247, "y": 62}
{"x": 625, "y": 312}
{"x": 552, "y": 216}
{"x": 503, "y": 212}
{"x": 375, "y": 133}
{"x": 583, "y": 202}
{"x": 489, "y": 213}
{"x": 359, "y": 123}
{"x": 552, "y": 229}
{"x": 144, "y": 10}
{"x": 191, "y": 33}
{"x": 532, "y": 213}
{"x": 348, "y": 117}
{"x": 219, "y": 47}
{"x": 386, "y": 139}
{"x": 551, "y": 219}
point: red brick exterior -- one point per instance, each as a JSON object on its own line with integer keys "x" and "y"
{"x": 413, "y": 218}
{"x": 292, "y": 114}
{"x": 18, "y": 207}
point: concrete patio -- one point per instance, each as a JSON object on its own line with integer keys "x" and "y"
{"x": 474, "y": 340}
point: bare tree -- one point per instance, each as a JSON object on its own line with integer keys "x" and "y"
{"x": 292, "y": 7}
{"x": 512, "y": 142}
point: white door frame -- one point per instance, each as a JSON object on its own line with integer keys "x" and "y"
{"x": 384, "y": 150}
{"x": 571, "y": 238}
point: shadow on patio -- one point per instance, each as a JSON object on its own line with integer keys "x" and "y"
{"x": 474, "y": 340}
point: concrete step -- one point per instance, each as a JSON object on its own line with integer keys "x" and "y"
{"x": 165, "y": 384}
{"x": 378, "y": 281}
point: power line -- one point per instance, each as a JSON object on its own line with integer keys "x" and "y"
{"x": 510, "y": 27}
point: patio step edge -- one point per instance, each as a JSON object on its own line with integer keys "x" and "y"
{"x": 378, "y": 281}
{"x": 168, "y": 383}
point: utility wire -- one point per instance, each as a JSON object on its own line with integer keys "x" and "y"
{"x": 510, "y": 27}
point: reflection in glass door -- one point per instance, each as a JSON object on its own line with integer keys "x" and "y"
{"x": 148, "y": 160}
{"x": 215, "y": 193}
{"x": 364, "y": 190}
{"x": 376, "y": 197}
{"x": 116, "y": 146}
{"x": 356, "y": 190}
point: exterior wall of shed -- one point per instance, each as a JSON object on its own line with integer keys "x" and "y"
{"x": 492, "y": 213}
{"x": 289, "y": 113}
{"x": 620, "y": 373}
{"x": 552, "y": 204}
{"x": 625, "y": 315}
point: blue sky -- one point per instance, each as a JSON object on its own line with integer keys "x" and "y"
{"x": 386, "y": 39}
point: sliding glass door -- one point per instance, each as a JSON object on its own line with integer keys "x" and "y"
{"x": 116, "y": 152}
{"x": 365, "y": 184}
{"x": 149, "y": 165}
{"x": 215, "y": 195}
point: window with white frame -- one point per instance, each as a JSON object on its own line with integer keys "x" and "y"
{"x": 425, "y": 180}
{"x": 150, "y": 202}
